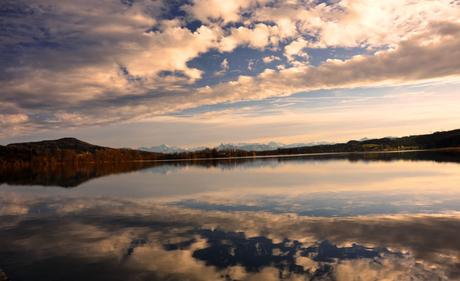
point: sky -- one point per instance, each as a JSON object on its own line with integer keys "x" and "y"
{"x": 130, "y": 73}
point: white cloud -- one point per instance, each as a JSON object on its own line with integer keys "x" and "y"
{"x": 170, "y": 49}
{"x": 356, "y": 23}
{"x": 224, "y": 67}
{"x": 296, "y": 49}
{"x": 440, "y": 59}
{"x": 114, "y": 63}
{"x": 87, "y": 65}
{"x": 251, "y": 65}
{"x": 258, "y": 37}
{"x": 269, "y": 59}
{"x": 416, "y": 59}
{"x": 227, "y": 11}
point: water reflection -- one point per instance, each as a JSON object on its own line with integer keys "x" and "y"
{"x": 72, "y": 176}
{"x": 330, "y": 217}
{"x": 68, "y": 175}
{"x": 143, "y": 242}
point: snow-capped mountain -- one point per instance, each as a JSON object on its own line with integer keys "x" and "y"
{"x": 263, "y": 147}
{"x": 163, "y": 148}
{"x": 250, "y": 146}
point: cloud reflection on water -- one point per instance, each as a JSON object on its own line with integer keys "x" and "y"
{"x": 155, "y": 242}
{"x": 346, "y": 217}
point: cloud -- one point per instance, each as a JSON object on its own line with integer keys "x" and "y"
{"x": 224, "y": 67}
{"x": 258, "y": 37}
{"x": 64, "y": 65}
{"x": 269, "y": 59}
{"x": 227, "y": 11}
{"x": 431, "y": 55}
{"x": 251, "y": 64}
{"x": 296, "y": 49}
{"x": 391, "y": 269}
{"x": 7, "y": 119}
{"x": 356, "y": 23}
{"x": 91, "y": 46}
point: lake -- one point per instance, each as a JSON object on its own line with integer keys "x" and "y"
{"x": 388, "y": 216}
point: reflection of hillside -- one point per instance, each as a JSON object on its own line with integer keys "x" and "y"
{"x": 76, "y": 174}
{"x": 435, "y": 156}
{"x": 66, "y": 175}
{"x": 272, "y": 162}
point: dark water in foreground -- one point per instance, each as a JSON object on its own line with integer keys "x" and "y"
{"x": 359, "y": 217}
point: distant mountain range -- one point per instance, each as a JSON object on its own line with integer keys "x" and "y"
{"x": 163, "y": 148}
{"x": 73, "y": 151}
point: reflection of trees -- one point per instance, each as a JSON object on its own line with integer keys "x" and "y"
{"x": 75, "y": 173}
{"x": 231, "y": 163}
{"x": 65, "y": 175}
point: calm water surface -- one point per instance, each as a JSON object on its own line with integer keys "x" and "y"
{"x": 343, "y": 217}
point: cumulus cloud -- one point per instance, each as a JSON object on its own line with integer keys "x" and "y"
{"x": 434, "y": 54}
{"x": 224, "y": 67}
{"x": 269, "y": 59}
{"x": 357, "y": 23}
{"x": 67, "y": 65}
{"x": 227, "y": 11}
{"x": 94, "y": 67}
{"x": 251, "y": 65}
{"x": 258, "y": 37}
{"x": 296, "y": 49}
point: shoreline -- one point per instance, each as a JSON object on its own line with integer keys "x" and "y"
{"x": 8, "y": 164}
{"x": 447, "y": 149}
